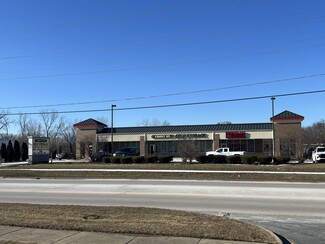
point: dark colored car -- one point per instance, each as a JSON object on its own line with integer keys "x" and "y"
{"x": 309, "y": 152}
{"x": 127, "y": 151}
{"x": 65, "y": 155}
{"x": 98, "y": 157}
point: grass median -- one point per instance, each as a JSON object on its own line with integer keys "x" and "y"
{"x": 182, "y": 166}
{"x": 286, "y": 171}
{"x": 147, "y": 221}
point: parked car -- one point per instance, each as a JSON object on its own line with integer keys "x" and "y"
{"x": 225, "y": 151}
{"x": 98, "y": 157}
{"x": 127, "y": 151}
{"x": 65, "y": 155}
{"x": 318, "y": 155}
{"x": 308, "y": 153}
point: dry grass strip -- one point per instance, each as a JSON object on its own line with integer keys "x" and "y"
{"x": 148, "y": 221}
{"x": 167, "y": 175}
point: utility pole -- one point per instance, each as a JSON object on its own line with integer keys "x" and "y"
{"x": 273, "y": 129}
{"x": 112, "y": 127}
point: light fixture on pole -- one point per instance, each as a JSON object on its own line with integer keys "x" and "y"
{"x": 112, "y": 127}
{"x": 273, "y": 129}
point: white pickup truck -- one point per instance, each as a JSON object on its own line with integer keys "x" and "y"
{"x": 224, "y": 151}
{"x": 318, "y": 154}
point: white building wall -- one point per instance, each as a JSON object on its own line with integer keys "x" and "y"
{"x": 169, "y": 136}
{"x": 119, "y": 138}
{"x": 166, "y": 136}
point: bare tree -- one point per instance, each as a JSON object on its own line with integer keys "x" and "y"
{"x": 153, "y": 122}
{"x": 187, "y": 149}
{"x": 69, "y": 137}
{"x": 224, "y": 123}
{"x": 299, "y": 147}
{"x": 23, "y": 122}
{"x": 53, "y": 126}
{"x": 292, "y": 144}
{"x": 144, "y": 122}
{"x": 315, "y": 134}
{"x": 4, "y": 123}
{"x": 165, "y": 123}
{"x": 307, "y": 135}
{"x": 28, "y": 127}
{"x": 87, "y": 146}
{"x": 33, "y": 128}
{"x": 319, "y": 131}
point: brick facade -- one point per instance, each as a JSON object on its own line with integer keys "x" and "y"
{"x": 93, "y": 135}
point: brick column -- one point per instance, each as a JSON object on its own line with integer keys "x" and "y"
{"x": 142, "y": 146}
{"x": 216, "y": 141}
{"x": 286, "y": 131}
{"x": 87, "y": 137}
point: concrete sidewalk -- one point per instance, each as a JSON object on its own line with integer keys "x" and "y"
{"x": 22, "y": 235}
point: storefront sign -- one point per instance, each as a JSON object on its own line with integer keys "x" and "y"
{"x": 38, "y": 150}
{"x": 39, "y": 146}
{"x": 235, "y": 134}
{"x": 179, "y": 136}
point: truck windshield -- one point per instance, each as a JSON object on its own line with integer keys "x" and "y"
{"x": 321, "y": 149}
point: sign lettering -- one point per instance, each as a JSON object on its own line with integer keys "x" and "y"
{"x": 180, "y": 136}
{"x": 235, "y": 134}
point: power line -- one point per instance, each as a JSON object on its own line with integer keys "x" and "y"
{"x": 171, "y": 94}
{"x": 169, "y": 105}
{"x": 223, "y": 101}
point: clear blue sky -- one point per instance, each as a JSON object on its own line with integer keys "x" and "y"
{"x": 61, "y": 52}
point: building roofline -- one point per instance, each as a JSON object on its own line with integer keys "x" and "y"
{"x": 287, "y": 115}
{"x": 189, "y": 128}
{"x": 89, "y": 123}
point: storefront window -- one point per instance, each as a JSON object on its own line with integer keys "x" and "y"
{"x": 268, "y": 147}
{"x": 119, "y": 145}
{"x": 251, "y": 146}
{"x": 171, "y": 148}
{"x": 163, "y": 146}
{"x": 243, "y": 144}
{"x": 239, "y": 145}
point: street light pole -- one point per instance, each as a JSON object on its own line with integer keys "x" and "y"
{"x": 112, "y": 121}
{"x": 273, "y": 129}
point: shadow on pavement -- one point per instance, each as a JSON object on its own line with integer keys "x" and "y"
{"x": 283, "y": 239}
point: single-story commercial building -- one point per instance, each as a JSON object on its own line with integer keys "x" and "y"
{"x": 94, "y": 136}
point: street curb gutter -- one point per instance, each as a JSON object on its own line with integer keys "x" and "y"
{"x": 274, "y": 235}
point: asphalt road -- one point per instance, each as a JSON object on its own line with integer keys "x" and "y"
{"x": 295, "y": 210}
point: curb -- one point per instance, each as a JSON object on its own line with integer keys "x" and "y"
{"x": 274, "y": 235}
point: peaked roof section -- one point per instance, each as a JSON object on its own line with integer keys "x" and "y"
{"x": 89, "y": 123}
{"x": 287, "y": 115}
{"x": 189, "y": 128}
